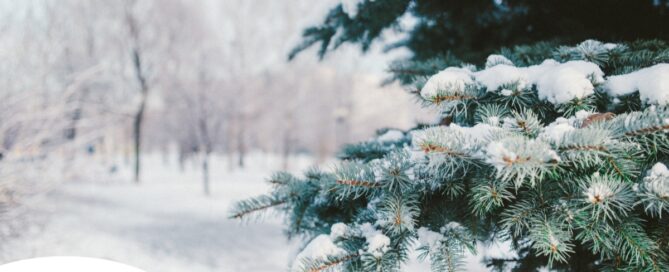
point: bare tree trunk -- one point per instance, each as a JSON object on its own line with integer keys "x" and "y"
{"x": 137, "y": 137}
{"x": 241, "y": 144}
{"x": 229, "y": 147}
{"x": 205, "y": 174}
{"x": 207, "y": 148}
{"x": 138, "y": 118}
{"x": 139, "y": 115}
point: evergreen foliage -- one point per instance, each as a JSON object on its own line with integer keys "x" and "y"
{"x": 576, "y": 184}
{"x": 475, "y": 28}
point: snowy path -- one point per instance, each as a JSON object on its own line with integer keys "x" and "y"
{"x": 165, "y": 224}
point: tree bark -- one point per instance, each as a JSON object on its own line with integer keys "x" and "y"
{"x": 137, "y": 137}
{"x": 241, "y": 145}
{"x": 139, "y": 115}
{"x": 138, "y": 118}
{"x": 207, "y": 148}
{"x": 205, "y": 174}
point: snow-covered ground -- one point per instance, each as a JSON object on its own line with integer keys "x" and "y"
{"x": 165, "y": 224}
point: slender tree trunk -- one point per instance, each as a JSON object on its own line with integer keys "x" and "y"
{"x": 205, "y": 174}
{"x": 139, "y": 115}
{"x": 137, "y": 137}
{"x": 241, "y": 145}
{"x": 138, "y": 118}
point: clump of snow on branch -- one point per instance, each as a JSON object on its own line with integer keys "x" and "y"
{"x": 350, "y": 7}
{"x": 511, "y": 151}
{"x": 652, "y": 84}
{"x": 449, "y": 81}
{"x": 478, "y": 133}
{"x": 592, "y": 45}
{"x": 573, "y": 79}
{"x": 499, "y": 156}
{"x": 493, "y": 60}
{"x": 553, "y": 132}
{"x": 432, "y": 239}
{"x": 555, "y": 82}
{"x": 319, "y": 248}
{"x": 392, "y": 135}
{"x": 506, "y": 92}
{"x": 453, "y": 137}
{"x": 610, "y": 46}
{"x": 535, "y": 72}
{"x": 581, "y": 115}
{"x": 598, "y": 192}
{"x": 657, "y": 181}
{"x": 338, "y": 230}
{"x": 658, "y": 170}
{"x": 452, "y": 226}
{"x": 377, "y": 242}
{"x": 497, "y": 76}
{"x": 428, "y": 238}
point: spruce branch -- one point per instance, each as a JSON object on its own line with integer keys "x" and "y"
{"x": 398, "y": 214}
{"x": 359, "y": 183}
{"x": 445, "y": 249}
{"x": 281, "y": 178}
{"x": 489, "y": 195}
{"x": 519, "y": 159}
{"x": 396, "y": 171}
{"x": 653, "y": 191}
{"x": 559, "y": 178}
{"x": 244, "y": 208}
{"x": 551, "y": 240}
{"x": 633, "y": 245}
{"x": 647, "y": 130}
{"x": 354, "y": 180}
{"x": 435, "y": 148}
{"x": 519, "y": 216}
{"x": 329, "y": 263}
{"x": 524, "y": 122}
{"x": 597, "y": 117}
{"x": 606, "y": 197}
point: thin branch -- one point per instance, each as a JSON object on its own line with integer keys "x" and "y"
{"x": 334, "y": 262}
{"x": 434, "y": 148}
{"x": 359, "y": 183}
{"x": 446, "y": 98}
{"x": 584, "y": 148}
{"x": 647, "y": 130}
{"x": 245, "y": 212}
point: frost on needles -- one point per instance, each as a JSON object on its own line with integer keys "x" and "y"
{"x": 560, "y": 151}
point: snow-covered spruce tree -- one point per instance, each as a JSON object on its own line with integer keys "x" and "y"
{"x": 561, "y": 151}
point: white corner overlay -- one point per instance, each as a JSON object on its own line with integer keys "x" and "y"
{"x": 67, "y": 264}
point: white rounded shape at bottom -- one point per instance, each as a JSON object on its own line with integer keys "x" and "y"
{"x": 67, "y": 264}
